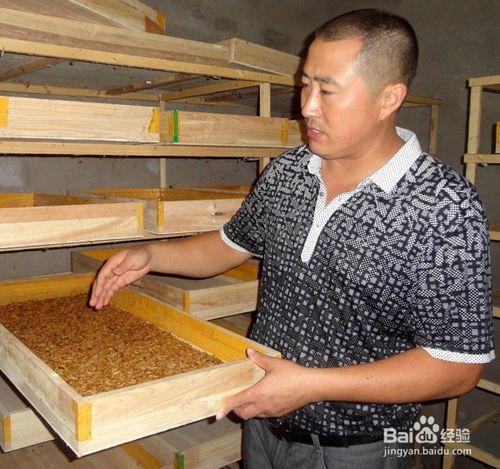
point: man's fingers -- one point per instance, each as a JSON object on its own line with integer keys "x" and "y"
{"x": 105, "y": 278}
{"x": 261, "y": 360}
{"x": 249, "y": 411}
{"x": 243, "y": 398}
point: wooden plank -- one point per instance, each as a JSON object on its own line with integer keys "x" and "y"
{"x": 492, "y": 88}
{"x": 223, "y": 301}
{"x": 422, "y": 100}
{"x": 483, "y": 420}
{"x": 215, "y": 443}
{"x": 136, "y": 411}
{"x": 433, "y": 129}
{"x": 19, "y": 425}
{"x": 65, "y": 32}
{"x": 74, "y": 120}
{"x": 107, "y": 12}
{"x": 79, "y": 92}
{"x": 451, "y": 422}
{"x": 474, "y": 130}
{"x": 208, "y": 89}
{"x": 484, "y": 81}
{"x": 262, "y": 58}
{"x": 194, "y": 215}
{"x": 218, "y": 452}
{"x": 497, "y": 138}
{"x": 489, "y": 385}
{"x": 57, "y": 9}
{"x": 162, "y": 163}
{"x": 490, "y": 158}
{"x": 127, "y": 14}
{"x": 248, "y": 95}
{"x": 51, "y": 148}
{"x": 29, "y": 67}
{"x": 143, "y": 458}
{"x": 265, "y": 111}
{"x": 476, "y": 453}
{"x": 197, "y": 128}
{"x": 245, "y": 189}
{"x": 175, "y": 211}
{"x": 86, "y": 54}
{"x": 22, "y": 225}
{"x": 150, "y": 84}
{"x": 157, "y": 195}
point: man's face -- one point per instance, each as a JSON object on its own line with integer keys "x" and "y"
{"x": 339, "y": 111}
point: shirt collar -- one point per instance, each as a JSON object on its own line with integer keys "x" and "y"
{"x": 391, "y": 172}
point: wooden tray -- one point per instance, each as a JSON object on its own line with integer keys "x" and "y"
{"x": 233, "y": 292}
{"x": 203, "y": 128}
{"x": 92, "y": 423}
{"x": 32, "y": 219}
{"x": 171, "y": 211}
{"x": 19, "y": 425}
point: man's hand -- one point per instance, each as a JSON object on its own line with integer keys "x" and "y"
{"x": 285, "y": 388}
{"x": 121, "y": 269}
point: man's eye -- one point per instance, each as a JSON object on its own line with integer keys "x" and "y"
{"x": 325, "y": 92}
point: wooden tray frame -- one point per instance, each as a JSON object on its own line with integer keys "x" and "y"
{"x": 19, "y": 425}
{"x": 187, "y": 210}
{"x": 92, "y": 423}
{"x": 32, "y": 219}
{"x": 205, "y": 303}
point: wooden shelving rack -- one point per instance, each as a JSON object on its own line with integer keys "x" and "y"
{"x": 182, "y": 71}
{"x": 471, "y": 159}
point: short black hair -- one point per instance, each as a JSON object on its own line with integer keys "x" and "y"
{"x": 389, "y": 51}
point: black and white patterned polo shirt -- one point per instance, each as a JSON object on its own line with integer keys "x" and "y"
{"x": 402, "y": 261}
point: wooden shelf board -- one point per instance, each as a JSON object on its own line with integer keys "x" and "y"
{"x": 489, "y": 158}
{"x": 147, "y": 237}
{"x": 494, "y": 231}
{"x": 77, "y": 148}
{"x": 485, "y": 81}
{"x": 90, "y": 55}
{"x": 488, "y": 385}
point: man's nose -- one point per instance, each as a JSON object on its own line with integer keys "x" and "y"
{"x": 310, "y": 104}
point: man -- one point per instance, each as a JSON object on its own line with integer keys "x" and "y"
{"x": 375, "y": 264}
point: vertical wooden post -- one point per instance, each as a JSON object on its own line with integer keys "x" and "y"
{"x": 476, "y": 94}
{"x": 451, "y": 422}
{"x": 162, "y": 168}
{"x": 433, "y": 129}
{"x": 264, "y": 111}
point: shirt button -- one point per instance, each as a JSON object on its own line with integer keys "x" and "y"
{"x": 321, "y": 193}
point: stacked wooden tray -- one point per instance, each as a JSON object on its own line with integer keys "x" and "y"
{"x": 92, "y": 423}
{"x": 176, "y": 210}
{"x": 231, "y": 293}
{"x": 19, "y": 425}
{"x": 31, "y": 219}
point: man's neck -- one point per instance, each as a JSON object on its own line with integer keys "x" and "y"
{"x": 344, "y": 174}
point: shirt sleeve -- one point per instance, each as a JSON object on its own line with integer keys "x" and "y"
{"x": 246, "y": 231}
{"x": 452, "y": 307}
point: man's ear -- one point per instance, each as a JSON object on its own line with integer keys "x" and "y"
{"x": 392, "y": 97}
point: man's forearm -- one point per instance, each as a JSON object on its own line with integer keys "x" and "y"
{"x": 412, "y": 376}
{"x": 203, "y": 255}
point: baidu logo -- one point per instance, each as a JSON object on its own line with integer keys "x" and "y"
{"x": 424, "y": 430}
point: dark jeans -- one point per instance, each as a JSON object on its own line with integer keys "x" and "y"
{"x": 262, "y": 450}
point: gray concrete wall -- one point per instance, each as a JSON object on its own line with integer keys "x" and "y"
{"x": 458, "y": 39}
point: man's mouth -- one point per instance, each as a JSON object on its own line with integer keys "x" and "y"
{"x": 313, "y": 132}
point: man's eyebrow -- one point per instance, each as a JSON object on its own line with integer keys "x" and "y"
{"x": 323, "y": 79}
